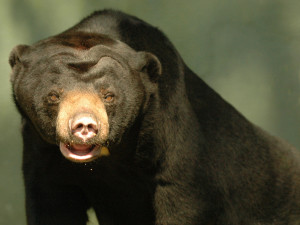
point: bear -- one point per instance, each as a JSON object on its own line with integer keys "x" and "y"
{"x": 113, "y": 119}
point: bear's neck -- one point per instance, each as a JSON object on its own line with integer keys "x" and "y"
{"x": 169, "y": 135}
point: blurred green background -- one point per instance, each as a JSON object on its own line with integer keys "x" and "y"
{"x": 247, "y": 50}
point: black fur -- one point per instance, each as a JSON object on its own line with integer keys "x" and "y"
{"x": 188, "y": 157}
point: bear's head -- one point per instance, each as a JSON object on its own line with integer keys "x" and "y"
{"x": 82, "y": 91}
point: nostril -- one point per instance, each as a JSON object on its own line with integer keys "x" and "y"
{"x": 92, "y": 127}
{"x": 79, "y": 126}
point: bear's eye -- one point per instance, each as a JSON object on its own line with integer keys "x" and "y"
{"x": 109, "y": 97}
{"x": 53, "y": 98}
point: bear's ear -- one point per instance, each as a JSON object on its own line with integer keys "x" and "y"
{"x": 150, "y": 64}
{"x": 16, "y": 54}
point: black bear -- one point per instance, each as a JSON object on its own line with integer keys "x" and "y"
{"x": 113, "y": 119}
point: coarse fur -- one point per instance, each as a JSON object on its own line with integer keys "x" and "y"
{"x": 179, "y": 153}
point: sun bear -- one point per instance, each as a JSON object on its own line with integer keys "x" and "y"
{"x": 112, "y": 118}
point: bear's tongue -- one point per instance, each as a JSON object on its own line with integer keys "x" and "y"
{"x": 81, "y": 150}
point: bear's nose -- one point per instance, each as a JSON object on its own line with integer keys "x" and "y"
{"x": 84, "y": 126}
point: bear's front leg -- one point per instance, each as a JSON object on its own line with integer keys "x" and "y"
{"x": 176, "y": 206}
{"x": 48, "y": 204}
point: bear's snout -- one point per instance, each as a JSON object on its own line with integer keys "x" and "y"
{"x": 84, "y": 126}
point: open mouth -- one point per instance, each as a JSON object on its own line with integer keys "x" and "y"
{"x": 80, "y": 152}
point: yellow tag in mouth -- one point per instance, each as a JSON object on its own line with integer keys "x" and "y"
{"x": 104, "y": 151}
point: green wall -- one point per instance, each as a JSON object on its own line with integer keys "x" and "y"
{"x": 247, "y": 50}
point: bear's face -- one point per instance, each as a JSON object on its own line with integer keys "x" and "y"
{"x": 81, "y": 91}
